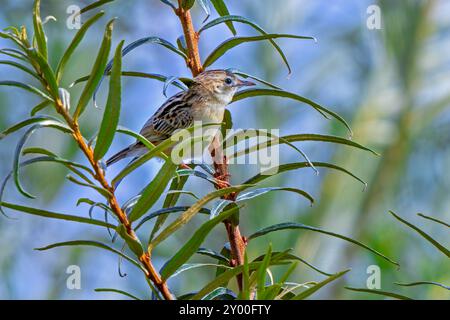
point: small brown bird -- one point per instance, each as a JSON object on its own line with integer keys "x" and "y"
{"x": 205, "y": 101}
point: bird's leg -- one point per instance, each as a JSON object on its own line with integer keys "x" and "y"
{"x": 184, "y": 166}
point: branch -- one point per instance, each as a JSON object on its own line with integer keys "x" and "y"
{"x": 151, "y": 272}
{"x": 237, "y": 242}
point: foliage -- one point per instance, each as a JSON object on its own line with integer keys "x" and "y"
{"x": 251, "y": 274}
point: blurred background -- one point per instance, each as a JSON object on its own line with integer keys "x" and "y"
{"x": 391, "y": 84}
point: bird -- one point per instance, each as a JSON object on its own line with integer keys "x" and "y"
{"x": 205, "y": 100}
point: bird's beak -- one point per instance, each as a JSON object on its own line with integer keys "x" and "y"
{"x": 242, "y": 83}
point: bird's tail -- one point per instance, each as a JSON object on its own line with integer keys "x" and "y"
{"x": 129, "y": 151}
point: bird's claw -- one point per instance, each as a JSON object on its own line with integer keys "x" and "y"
{"x": 222, "y": 184}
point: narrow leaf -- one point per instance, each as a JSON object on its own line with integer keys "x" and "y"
{"x": 381, "y": 293}
{"x": 434, "y": 219}
{"x": 26, "y": 87}
{"x": 39, "y": 30}
{"x": 235, "y": 41}
{"x": 419, "y": 283}
{"x": 97, "y": 71}
{"x": 298, "y": 165}
{"x": 425, "y": 235}
{"x": 293, "y": 225}
{"x": 153, "y": 191}
{"x": 191, "y": 246}
{"x": 129, "y": 295}
{"x": 319, "y": 285}
{"x": 222, "y": 10}
{"x": 19, "y": 66}
{"x": 190, "y": 213}
{"x": 285, "y": 94}
{"x": 60, "y": 216}
{"x": 111, "y": 114}
{"x": 94, "y": 5}
{"x": 74, "y": 44}
{"x": 91, "y": 244}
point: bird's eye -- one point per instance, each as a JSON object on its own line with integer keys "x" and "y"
{"x": 228, "y": 81}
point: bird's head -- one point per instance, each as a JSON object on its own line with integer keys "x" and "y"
{"x": 221, "y": 84}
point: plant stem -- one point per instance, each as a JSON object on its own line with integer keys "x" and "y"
{"x": 194, "y": 62}
{"x": 235, "y": 238}
{"x": 150, "y": 271}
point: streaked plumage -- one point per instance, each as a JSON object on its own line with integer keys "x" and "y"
{"x": 205, "y": 101}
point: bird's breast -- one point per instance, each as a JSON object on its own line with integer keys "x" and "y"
{"x": 209, "y": 113}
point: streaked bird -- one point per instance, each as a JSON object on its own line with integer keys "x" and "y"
{"x": 205, "y": 101}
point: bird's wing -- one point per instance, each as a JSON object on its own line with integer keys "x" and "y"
{"x": 175, "y": 113}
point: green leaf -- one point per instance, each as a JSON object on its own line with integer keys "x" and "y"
{"x": 13, "y": 53}
{"x": 136, "y": 44}
{"x": 419, "y": 283}
{"x": 222, "y": 10}
{"x": 133, "y": 242}
{"x": 26, "y": 87}
{"x": 190, "y": 266}
{"x": 153, "y": 190}
{"x": 256, "y": 193}
{"x": 187, "y": 4}
{"x": 235, "y": 139}
{"x": 319, "y": 285}
{"x": 158, "y": 151}
{"x": 60, "y": 216}
{"x": 166, "y": 212}
{"x": 228, "y": 19}
{"x": 43, "y": 124}
{"x": 94, "y": 5}
{"x": 235, "y": 41}
{"x": 291, "y": 257}
{"x": 74, "y": 44}
{"x": 296, "y": 138}
{"x": 129, "y": 295}
{"x": 293, "y": 225}
{"x": 261, "y": 274}
{"x": 379, "y": 292}
{"x": 97, "y": 71}
{"x": 423, "y": 234}
{"x": 91, "y": 244}
{"x": 247, "y": 75}
{"x": 44, "y": 104}
{"x": 170, "y": 4}
{"x": 68, "y": 164}
{"x": 139, "y": 138}
{"x": 213, "y": 254}
{"x": 191, "y": 246}
{"x": 245, "y": 292}
{"x": 434, "y": 219}
{"x": 170, "y": 201}
{"x": 19, "y": 66}
{"x": 220, "y": 293}
{"x": 105, "y": 193}
{"x": 45, "y": 70}
{"x": 39, "y": 30}
{"x": 136, "y": 74}
{"x": 205, "y": 4}
{"x": 111, "y": 114}
{"x": 298, "y": 165}
{"x": 25, "y": 123}
{"x": 190, "y": 213}
{"x": 224, "y": 277}
{"x": 248, "y": 93}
